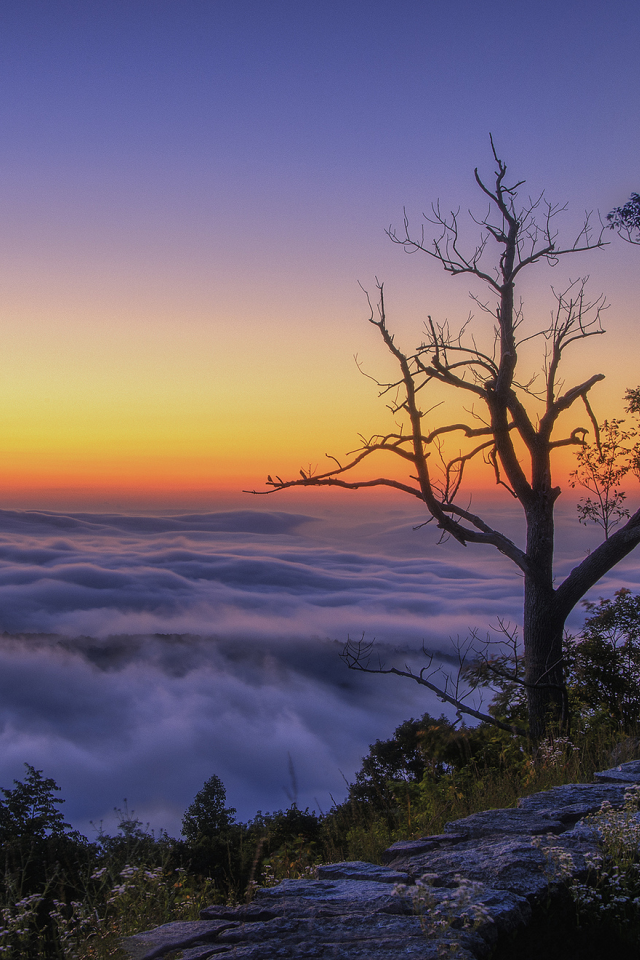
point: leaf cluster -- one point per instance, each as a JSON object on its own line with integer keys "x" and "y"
{"x": 603, "y": 662}
{"x": 626, "y": 219}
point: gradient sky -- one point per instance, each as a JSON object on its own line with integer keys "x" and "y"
{"x": 191, "y": 191}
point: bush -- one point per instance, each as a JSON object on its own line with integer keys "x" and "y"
{"x": 603, "y": 663}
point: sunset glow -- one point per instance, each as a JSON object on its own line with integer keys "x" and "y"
{"x": 188, "y": 210}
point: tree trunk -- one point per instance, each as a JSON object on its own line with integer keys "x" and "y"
{"x": 542, "y": 627}
{"x": 544, "y": 674}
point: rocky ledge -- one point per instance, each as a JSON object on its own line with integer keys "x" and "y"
{"x": 359, "y": 911}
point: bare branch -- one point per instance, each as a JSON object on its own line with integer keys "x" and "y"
{"x": 357, "y": 654}
{"x": 333, "y": 482}
{"x": 596, "y": 564}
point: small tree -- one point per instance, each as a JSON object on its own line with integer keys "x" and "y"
{"x": 626, "y": 219}
{"x": 208, "y": 816}
{"x": 633, "y": 406}
{"x": 214, "y": 840}
{"x": 602, "y": 466}
{"x": 403, "y": 758}
{"x": 512, "y": 424}
{"x": 29, "y": 811}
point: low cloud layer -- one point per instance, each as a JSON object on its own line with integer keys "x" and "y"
{"x": 143, "y": 654}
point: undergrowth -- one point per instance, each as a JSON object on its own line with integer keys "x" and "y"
{"x": 65, "y": 898}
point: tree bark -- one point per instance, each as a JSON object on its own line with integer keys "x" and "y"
{"x": 544, "y": 673}
{"x": 542, "y": 629}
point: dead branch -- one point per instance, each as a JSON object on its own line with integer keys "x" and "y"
{"x": 357, "y": 654}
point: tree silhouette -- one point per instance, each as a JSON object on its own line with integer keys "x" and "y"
{"x": 512, "y": 423}
{"x": 208, "y": 816}
{"x": 626, "y": 219}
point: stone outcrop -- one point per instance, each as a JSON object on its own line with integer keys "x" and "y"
{"x": 360, "y": 911}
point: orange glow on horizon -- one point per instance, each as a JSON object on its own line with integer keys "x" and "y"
{"x": 135, "y": 389}
{"x": 33, "y": 479}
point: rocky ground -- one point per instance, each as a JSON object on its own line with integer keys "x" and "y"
{"x": 486, "y": 866}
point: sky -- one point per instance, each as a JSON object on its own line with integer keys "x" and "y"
{"x": 192, "y": 193}
{"x": 193, "y": 197}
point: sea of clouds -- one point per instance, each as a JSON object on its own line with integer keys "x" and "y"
{"x": 142, "y": 654}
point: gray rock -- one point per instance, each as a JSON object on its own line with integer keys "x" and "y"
{"x": 409, "y": 848}
{"x": 244, "y": 913}
{"x": 572, "y": 801}
{"x": 173, "y": 936}
{"x": 204, "y": 951}
{"x": 507, "y": 821}
{"x": 501, "y": 863}
{"x": 359, "y": 870}
{"x": 342, "y": 936}
{"x": 361, "y": 911}
{"x": 315, "y": 898}
{"x": 624, "y": 773}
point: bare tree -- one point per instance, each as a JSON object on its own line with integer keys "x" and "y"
{"x": 512, "y": 424}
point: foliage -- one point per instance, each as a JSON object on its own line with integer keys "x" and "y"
{"x": 632, "y": 396}
{"x": 63, "y": 897}
{"x": 91, "y": 927}
{"x": 414, "y": 746}
{"x": 484, "y": 768}
{"x": 139, "y": 898}
{"x": 208, "y": 817}
{"x": 289, "y": 844}
{"x": 602, "y": 466}
{"x": 609, "y": 895}
{"x": 30, "y": 811}
{"x": 603, "y": 662}
{"x": 214, "y": 842}
{"x": 626, "y": 219}
{"x": 133, "y": 843}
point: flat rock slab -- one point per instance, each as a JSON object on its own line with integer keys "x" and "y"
{"x": 560, "y": 798}
{"x": 410, "y": 848}
{"x": 624, "y": 773}
{"x": 362, "y": 911}
{"x": 572, "y": 801}
{"x": 322, "y": 898}
{"x": 507, "y": 863}
{"x": 359, "y": 870}
{"x": 243, "y": 913}
{"x": 173, "y": 936}
{"x": 203, "y": 952}
{"x": 509, "y": 821}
